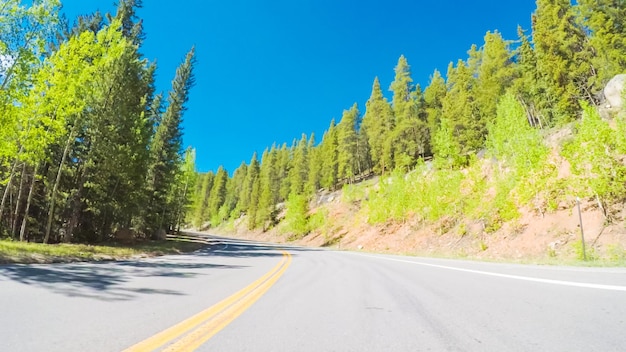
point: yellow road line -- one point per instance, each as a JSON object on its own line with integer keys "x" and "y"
{"x": 260, "y": 286}
{"x": 203, "y": 333}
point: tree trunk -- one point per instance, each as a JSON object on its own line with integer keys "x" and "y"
{"x": 18, "y": 203}
{"x": 55, "y": 189}
{"x": 30, "y": 197}
{"x": 8, "y": 188}
{"x": 75, "y": 210}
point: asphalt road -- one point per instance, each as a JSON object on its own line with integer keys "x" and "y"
{"x": 256, "y": 297}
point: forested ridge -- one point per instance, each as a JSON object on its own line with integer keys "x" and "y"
{"x": 502, "y": 101}
{"x": 87, "y": 145}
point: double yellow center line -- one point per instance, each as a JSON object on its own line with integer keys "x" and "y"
{"x": 191, "y": 333}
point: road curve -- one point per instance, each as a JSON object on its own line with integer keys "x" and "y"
{"x": 246, "y": 296}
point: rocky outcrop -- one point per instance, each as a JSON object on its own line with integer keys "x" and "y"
{"x": 613, "y": 92}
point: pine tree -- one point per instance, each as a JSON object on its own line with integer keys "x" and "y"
{"x": 299, "y": 166}
{"x": 563, "y": 60}
{"x": 347, "y": 144}
{"x": 284, "y": 167}
{"x": 401, "y": 87}
{"x": 459, "y": 108}
{"x": 363, "y": 151}
{"x": 527, "y": 86}
{"x": 166, "y": 146}
{"x": 409, "y": 138}
{"x": 496, "y": 73}
{"x": 233, "y": 191}
{"x": 315, "y": 167}
{"x": 329, "y": 157}
{"x": 378, "y": 124}
{"x": 433, "y": 97}
{"x": 269, "y": 187}
{"x": 251, "y": 178}
{"x": 218, "y": 196}
{"x": 201, "y": 207}
{"x": 604, "y": 19}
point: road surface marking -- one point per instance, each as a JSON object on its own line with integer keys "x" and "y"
{"x": 229, "y": 309}
{"x": 203, "y": 333}
{"x": 516, "y": 277}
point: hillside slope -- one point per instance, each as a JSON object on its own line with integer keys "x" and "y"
{"x": 483, "y": 211}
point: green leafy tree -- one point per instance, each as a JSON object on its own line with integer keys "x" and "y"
{"x": 446, "y": 146}
{"x": 513, "y": 140}
{"x": 296, "y": 217}
{"x": 595, "y": 158}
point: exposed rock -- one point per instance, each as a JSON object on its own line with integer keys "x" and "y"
{"x": 613, "y": 92}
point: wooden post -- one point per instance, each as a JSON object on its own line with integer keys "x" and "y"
{"x": 582, "y": 233}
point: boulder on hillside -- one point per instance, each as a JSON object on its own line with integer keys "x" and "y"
{"x": 613, "y": 92}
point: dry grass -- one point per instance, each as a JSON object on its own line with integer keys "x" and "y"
{"x": 20, "y": 252}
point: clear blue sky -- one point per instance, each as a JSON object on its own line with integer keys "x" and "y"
{"x": 269, "y": 71}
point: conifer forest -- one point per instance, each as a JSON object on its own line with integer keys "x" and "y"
{"x": 89, "y": 147}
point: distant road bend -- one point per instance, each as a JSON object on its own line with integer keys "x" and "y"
{"x": 246, "y": 296}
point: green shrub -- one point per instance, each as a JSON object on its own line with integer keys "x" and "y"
{"x": 296, "y": 219}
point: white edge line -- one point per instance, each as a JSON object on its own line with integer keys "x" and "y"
{"x": 516, "y": 277}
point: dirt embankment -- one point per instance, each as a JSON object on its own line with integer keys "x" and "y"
{"x": 545, "y": 238}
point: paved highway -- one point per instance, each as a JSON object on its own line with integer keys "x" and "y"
{"x": 246, "y": 296}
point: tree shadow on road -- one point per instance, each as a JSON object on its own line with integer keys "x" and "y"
{"x": 244, "y": 249}
{"x": 113, "y": 281}
{"x": 104, "y": 281}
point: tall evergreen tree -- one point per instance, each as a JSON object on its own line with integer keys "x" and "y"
{"x": 251, "y": 178}
{"x": 234, "y": 188}
{"x": 604, "y": 19}
{"x": 347, "y": 144}
{"x": 329, "y": 156}
{"x": 401, "y": 87}
{"x": 459, "y": 108}
{"x": 527, "y": 86}
{"x": 495, "y": 75}
{"x": 409, "y": 138}
{"x": 433, "y": 97}
{"x": 315, "y": 167}
{"x": 218, "y": 195}
{"x": 563, "y": 60}
{"x": 299, "y": 166}
{"x": 201, "y": 208}
{"x": 378, "y": 124}
{"x": 165, "y": 147}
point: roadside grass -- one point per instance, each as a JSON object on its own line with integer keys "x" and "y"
{"x": 27, "y": 253}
